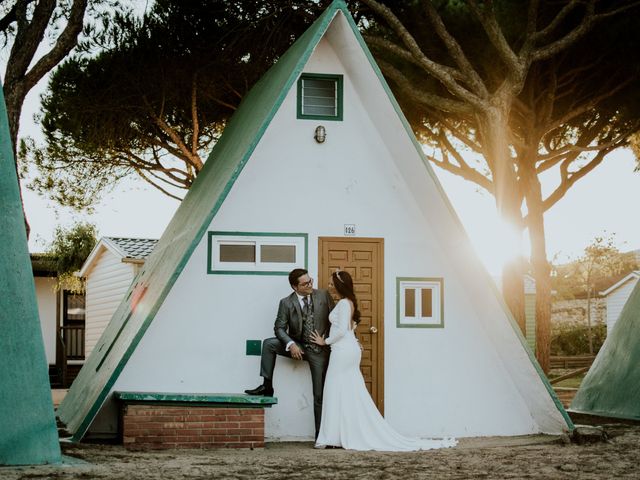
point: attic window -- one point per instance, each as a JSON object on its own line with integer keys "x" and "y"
{"x": 256, "y": 253}
{"x": 420, "y": 302}
{"x": 320, "y": 96}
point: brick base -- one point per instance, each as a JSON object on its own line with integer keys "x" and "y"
{"x": 148, "y": 426}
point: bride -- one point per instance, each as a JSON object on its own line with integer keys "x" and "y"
{"x": 350, "y": 419}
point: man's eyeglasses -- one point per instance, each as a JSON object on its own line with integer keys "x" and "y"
{"x": 306, "y": 284}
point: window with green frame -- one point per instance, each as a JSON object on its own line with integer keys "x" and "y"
{"x": 420, "y": 302}
{"x": 261, "y": 253}
{"x": 320, "y": 96}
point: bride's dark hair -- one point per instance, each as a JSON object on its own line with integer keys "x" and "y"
{"x": 344, "y": 285}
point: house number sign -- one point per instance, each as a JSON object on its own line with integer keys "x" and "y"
{"x": 349, "y": 230}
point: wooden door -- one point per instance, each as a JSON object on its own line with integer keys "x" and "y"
{"x": 363, "y": 259}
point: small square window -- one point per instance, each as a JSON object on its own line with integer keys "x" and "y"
{"x": 320, "y": 96}
{"x": 420, "y": 302}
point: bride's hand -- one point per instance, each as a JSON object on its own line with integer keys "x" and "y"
{"x": 317, "y": 338}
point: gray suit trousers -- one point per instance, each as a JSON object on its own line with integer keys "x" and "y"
{"x": 318, "y": 363}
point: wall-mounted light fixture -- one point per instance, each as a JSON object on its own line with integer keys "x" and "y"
{"x": 320, "y": 134}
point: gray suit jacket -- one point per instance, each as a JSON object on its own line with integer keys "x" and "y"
{"x": 288, "y": 326}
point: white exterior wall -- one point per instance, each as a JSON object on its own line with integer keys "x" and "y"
{"x": 616, "y": 301}
{"x": 469, "y": 378}
{"x": 107, "y": 283}
{"x": 46, "y": 298}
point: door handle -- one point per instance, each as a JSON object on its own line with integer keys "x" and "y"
{"x": 373, "y": 329}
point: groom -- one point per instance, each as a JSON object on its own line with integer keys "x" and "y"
{"x": 299, "y": 314}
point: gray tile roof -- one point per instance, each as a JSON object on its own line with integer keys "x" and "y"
{"x": 139, "y": 248}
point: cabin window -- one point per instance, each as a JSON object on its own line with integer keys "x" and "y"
{"x": 237, "y": 252}
{"x": 420, "y": 302}
{"x": 320, "y": 96}
{"x": 256, "y": 252}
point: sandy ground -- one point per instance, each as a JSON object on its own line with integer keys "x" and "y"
{"x": 528, "y": 457}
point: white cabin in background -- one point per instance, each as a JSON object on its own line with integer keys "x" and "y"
{"x": 61, "y": 315}
{"x": 109, "y": 270}
{"x": 617, "y": 295}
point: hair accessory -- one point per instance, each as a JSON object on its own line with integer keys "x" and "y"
{"x": 338, "y": 275}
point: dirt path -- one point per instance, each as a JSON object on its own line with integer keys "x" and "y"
{"x": 619, "y": 457}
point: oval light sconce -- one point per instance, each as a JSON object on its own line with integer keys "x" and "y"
{"x": 320, "y": 134}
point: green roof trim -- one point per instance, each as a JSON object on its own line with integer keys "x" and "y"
{"x": 188, "y": 226}
{"x": 28, "y": 434}
{"x": 611, "y": 388}
{"x": 197, "y": 398}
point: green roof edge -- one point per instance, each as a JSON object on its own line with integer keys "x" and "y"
{"x": 314, "y": 33}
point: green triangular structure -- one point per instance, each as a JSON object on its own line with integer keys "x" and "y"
{"x": 28, "y": 434}
{"x": 92, "y": 387}
{"x": 612, "y": 385}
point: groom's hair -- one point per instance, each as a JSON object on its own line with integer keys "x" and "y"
{"x": 295, "y": 274}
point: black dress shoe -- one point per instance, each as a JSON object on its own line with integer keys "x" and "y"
{"x": 261, "y": 390}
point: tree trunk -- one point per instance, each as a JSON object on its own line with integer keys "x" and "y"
{"x": 589, "y": 331}
{"x": 508, "y": 201}
{"x": 31, "y": 28}
{"x": 14, "y": 98}
{"x": 513, "y": 292}
{"x": 542, "y": 276}
{"x": 541, "y": 270}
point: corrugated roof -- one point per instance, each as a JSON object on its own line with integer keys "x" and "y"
{"x": 162, "y": 268}
{"x": 138, "y": 248}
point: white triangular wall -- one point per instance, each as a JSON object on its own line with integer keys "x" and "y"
{"x": 471, "y": 378}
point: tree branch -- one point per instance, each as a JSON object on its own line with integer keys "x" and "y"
{"x": 593, "y": 101}
{"x": 463, "y": 169}
{"x": 570, "y": 38}
{"x": 568, "y": 179}
{"x": 558, "y": 19}
{"x": 194, "y": 115}
{"x": 433, "y": 68}
{"x": 473, "y": 79}
{"x": 460, "y": 135}
{"x": 67, "y": 40}
{"x": 193, "y": 159}
{"x": 154, "y": 184}
{"x": 428, "y": 99}
{"x": 493, "y": 31}
{"x": 28, "y": 37}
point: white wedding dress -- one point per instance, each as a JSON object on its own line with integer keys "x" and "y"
{"x": 350, "y": 419}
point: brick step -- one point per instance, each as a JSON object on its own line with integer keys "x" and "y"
{"x": 166, "y": 420}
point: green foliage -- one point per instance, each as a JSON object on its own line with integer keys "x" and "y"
{"x": 572, "y": 338}
{"x": 593, "y": 271}
{"x": 156, "y": 97}
{"x": 634, "y": 144}
{"x": 69, "y": 249}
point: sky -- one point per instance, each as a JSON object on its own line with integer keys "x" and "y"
{"x": 602, "y": 203}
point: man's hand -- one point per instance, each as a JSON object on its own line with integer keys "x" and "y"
{"x": 296, "y": 352}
